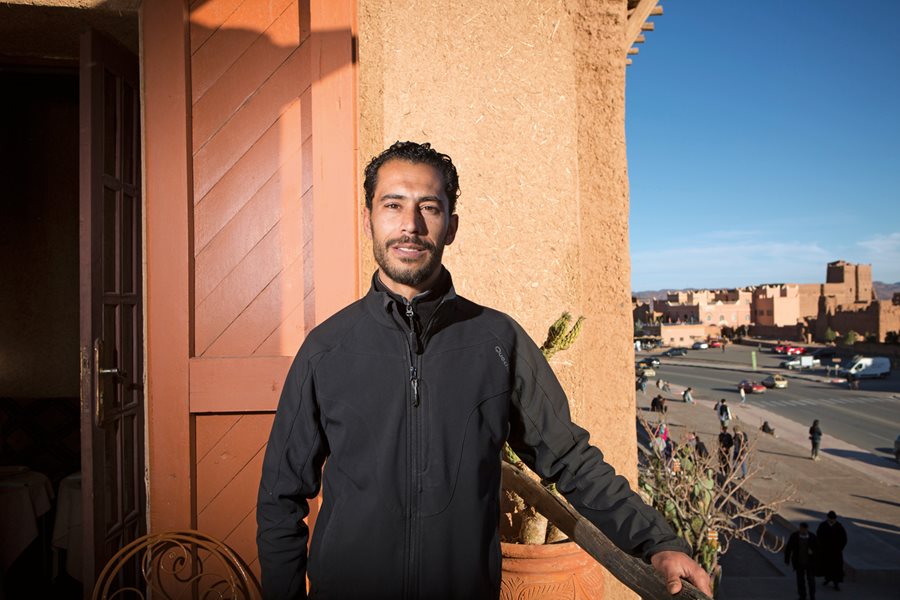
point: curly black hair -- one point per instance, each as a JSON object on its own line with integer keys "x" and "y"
{"x": 415, "y": 153}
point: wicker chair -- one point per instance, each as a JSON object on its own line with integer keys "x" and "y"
{"x": 176, "y": 564}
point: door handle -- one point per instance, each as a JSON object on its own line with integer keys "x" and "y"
{"x": 99, "y": 409}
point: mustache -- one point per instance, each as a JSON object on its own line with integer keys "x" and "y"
{"x": 408, "y": 239}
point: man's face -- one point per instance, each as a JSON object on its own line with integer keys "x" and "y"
{"x": 409, "y": 225}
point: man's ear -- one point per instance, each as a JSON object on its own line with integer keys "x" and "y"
{"x": 451, "y": 229}
{"x": 367, "y": 222}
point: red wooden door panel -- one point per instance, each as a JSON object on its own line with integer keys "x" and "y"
{"x": 263, "y": 77}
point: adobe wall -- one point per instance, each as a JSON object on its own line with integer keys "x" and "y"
{"x": 809, "y": 298}
{"x": 528, "y": 99}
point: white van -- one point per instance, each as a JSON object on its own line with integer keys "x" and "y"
{"x": 864, "y": 366}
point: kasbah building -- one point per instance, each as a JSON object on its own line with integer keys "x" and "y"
{"x": 801, "y": 312}
{"x": 214, "y": 198}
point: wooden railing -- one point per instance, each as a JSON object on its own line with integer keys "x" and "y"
{"x": 640, "y": 577}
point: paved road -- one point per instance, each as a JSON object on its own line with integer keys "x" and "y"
{"x": 867, "y": 419}
{"x": 870, "y": 420}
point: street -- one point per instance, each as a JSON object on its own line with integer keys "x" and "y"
{"x": 865, "y": 418}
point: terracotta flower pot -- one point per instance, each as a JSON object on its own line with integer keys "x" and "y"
{"x": 549, "y": 571}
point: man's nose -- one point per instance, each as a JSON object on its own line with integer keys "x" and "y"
{"x": 413, "y": 223}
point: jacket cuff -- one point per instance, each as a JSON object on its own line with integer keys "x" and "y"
{"x": 676, "y": 544}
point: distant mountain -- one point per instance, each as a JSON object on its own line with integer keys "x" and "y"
{"x": 885, "y": 291}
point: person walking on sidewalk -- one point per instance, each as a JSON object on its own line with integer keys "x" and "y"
{"x": 815, "y": 438}
{"x": 743, "y": 395}
{"x": 801, "y": 552}
{"x": 832, "y": 539}
{"x": 687, "y": 396}
{"x": 724, "y": 412}
{"x": 726, "y": 442}
{"x": 740, "y": 451}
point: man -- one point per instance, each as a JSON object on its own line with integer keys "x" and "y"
{"x": 801, "y": 552}
{"x": 832, "y": 539}
{"x": 740, "y": 450}
{"x": 726, "y": 442}
{"x": 410, "y": 393}
{"x": 724, "y": 412}
{"x": 687, "y": 396}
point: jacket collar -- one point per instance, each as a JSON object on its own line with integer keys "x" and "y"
{"x": 382, "y": 303}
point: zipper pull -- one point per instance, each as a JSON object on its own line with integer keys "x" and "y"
{"x": 414, "y": 383}
{"x": 413, "y": 338}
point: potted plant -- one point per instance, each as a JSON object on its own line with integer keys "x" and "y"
{"x": 538, "y": 559}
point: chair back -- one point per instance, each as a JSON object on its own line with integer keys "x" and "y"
{"x": 176, "y": 564}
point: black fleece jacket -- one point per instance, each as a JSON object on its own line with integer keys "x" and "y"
{"x": 412, "y": 423}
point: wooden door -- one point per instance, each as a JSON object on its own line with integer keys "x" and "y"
{"x": 112, "y": 373}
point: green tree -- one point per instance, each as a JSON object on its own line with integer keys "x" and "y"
{"x": 851, "y": 338}
{"x": 830, "y": 335}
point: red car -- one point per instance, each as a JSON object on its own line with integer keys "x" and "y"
{"x": 715, "y": 344}
{"x": 751, "y": 387}
{"x": 789, "y": 350}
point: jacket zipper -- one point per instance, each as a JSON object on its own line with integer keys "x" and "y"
{"x": 413, "y": 481}
{"x": 415, "y": 366}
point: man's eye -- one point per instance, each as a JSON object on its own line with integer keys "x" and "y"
{"x": 392, "y": 205}
{"x": 431, "y": 209}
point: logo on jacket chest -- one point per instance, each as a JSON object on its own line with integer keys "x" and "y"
{"x": 502, "y": 357}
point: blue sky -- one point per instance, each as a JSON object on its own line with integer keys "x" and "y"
{"x": 763, "y": 142}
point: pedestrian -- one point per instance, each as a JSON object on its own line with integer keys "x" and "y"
{"x": 832, "y": 539}
{"x": 743, "y": 394}
{"x": 724, "y": 343}
{"x": 687, "y": 396}
{"x": 852, "y": 381}
{"x": 726, "y": 442}
{"x": 659, "y": 384}
{"x": 666, "y": 387}
{"x": 642, "y": 383}
{"x": 766, "y": 428}
{"x": 724, "y": 412}
{"x": 815, "y": 438}
{"x": 377, "y": 411}
{"x": 702, "y": 450}
{"x": 658, "y": 404}
{"x": 740, "y": 450}
{"x": 801, "y": 552}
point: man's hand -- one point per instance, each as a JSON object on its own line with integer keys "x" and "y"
{"x": 675, "y": 566}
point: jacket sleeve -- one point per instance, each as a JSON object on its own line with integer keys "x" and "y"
{"x": 545, "y": 438}
{"x": 291, "y": 474}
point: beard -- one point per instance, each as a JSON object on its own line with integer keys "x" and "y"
{"x": 406, "y": 271}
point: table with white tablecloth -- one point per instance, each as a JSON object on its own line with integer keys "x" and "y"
{"x": 67, "y": 529}
{"x": 25, "y": 496}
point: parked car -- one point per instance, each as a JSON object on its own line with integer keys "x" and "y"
{"x": 700, "y": 346}
{"x": 675, "y": 352}
{"x": 775, "y": 381}
{"x": 789, "y": 349}
{"x": 650, "y": 361}
{"x": 715, "y": 344}
{"x": 644, "y": 371}
{"x": 865, "y": 366}
{"x": 797, "y": 363}
{"x": 751, "y": 387}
